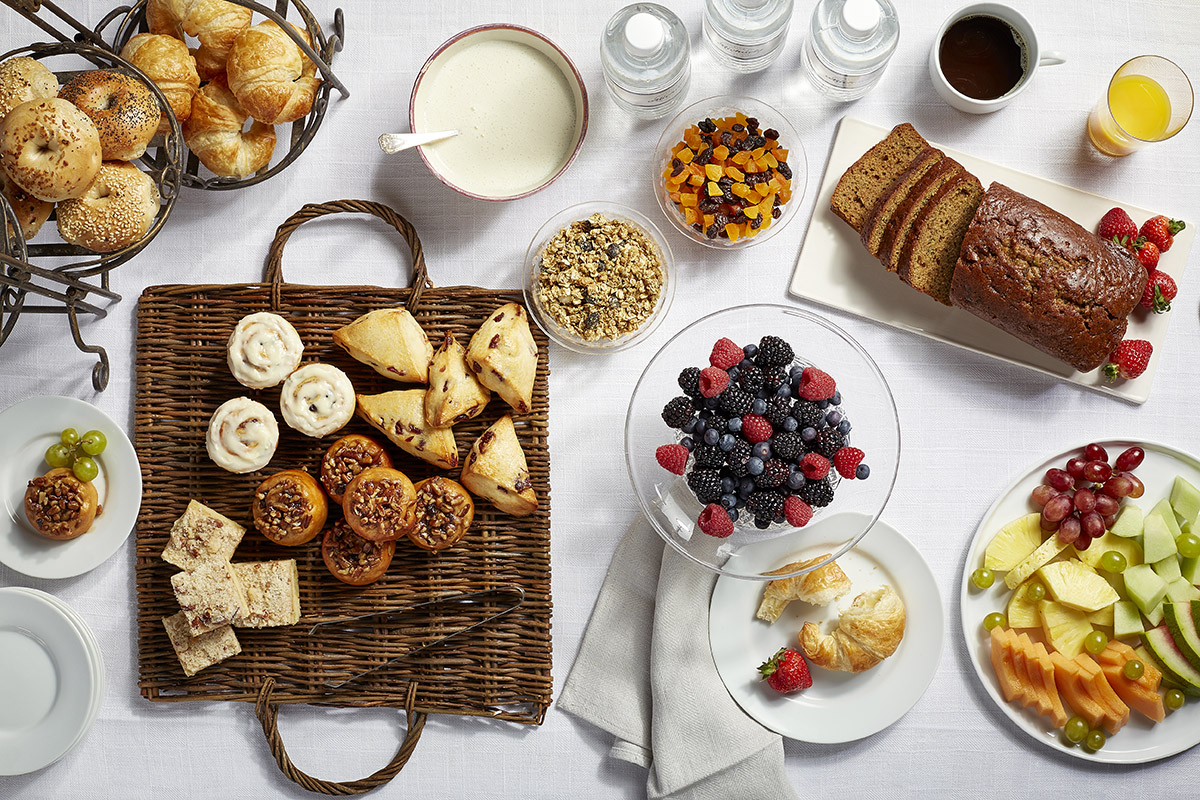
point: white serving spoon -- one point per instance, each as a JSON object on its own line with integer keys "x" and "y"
{"x": 395, "y": 142}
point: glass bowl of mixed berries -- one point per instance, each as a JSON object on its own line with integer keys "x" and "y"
{"x": 757, "y": 423}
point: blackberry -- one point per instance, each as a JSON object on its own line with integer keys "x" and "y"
{"x": 765, "y": 505}
{"x": 708, "y": 455}
{"x": 717, "y": 421}
{"x": 737, "y": 458}
{"x": 788, "y": 446}
{"x": 705, "y": 484}
{"x": 778, "y": 409}
{"x": 735, "y": 401}
{"x": 829, "y": 441}
{"x": 689, "y": 381}
{"x": 807, "y": 413}
{"x": 774, "y": 352}
{"x": 752, "y": 379}
{"x": 775, "y": 473}
{"x": 817, "y": 494}
{"x": 678, "y": 411}
{"x": 773, "y": 378}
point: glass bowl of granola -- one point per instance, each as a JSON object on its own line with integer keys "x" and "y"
{"x": 599, "y": 277}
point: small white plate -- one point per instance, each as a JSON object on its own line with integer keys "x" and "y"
{"x": 838, "y": 707}
{"x": 1141, "y": 740}
{"x": 26, "y": 431}
{"x": 835, "y": 270}
{"x": 48, "y": 685}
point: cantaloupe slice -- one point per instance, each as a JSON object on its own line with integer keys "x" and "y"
{"x": 1068, "y": 679}
{"x": 1002, "y": 663}
{"x": 1137, "y": 696}
{"x": 1099, "y": 688}
{"x": 1045, "y": 669}
{"x": 1031, "y": 696}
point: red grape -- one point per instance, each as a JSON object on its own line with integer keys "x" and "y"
{"x": 1094, "y": 452}
{"x": 1043, "y": 493}
{"x": 1057, "y": 508}
{"x": 1130, "y": 459}
{"x": 1092, "y": 524}
{"x": 1069, "y": 530}
{"x": 1049, "y": 526}
{"x": 1083, "y": 542}
{"x": 1075, "y": 467}
{"x": 1106, "y": 505}
{"x": 1097, "y": 471}
{"x": 1059, "y": 479}
{"x": 1138, "y": 489}
{"x": 1109, "y": 520}
{"x": 1117, "y": 486}
{"x": 1085, "y": 500}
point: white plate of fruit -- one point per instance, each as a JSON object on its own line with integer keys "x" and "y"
{"x": 1093, "y": 651}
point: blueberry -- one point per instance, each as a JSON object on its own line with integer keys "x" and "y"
{"x": 751, "y": 350}
{"x": 754, "y": 465}
{"x": 808, "y": 434}
{"x": 779, "y": 518}
{"x": 727, "y": 442}
{"x": 863, "y": 472}
{"x": 734, "y": 425}
{"x": 688, "y": 443}
{"x": 837, "y": 398}
{"x": 763, "y": 393}
{"x": 834, "y": 418}
{"x": 795, "y": 480}
{"x": 733, "y": 514}
{"x": 733, "y": 373}
{"x": 762, "y": 524}
{"x": 744, "y": 363}
{"x": 728, "y": 484}
{"x": 728, "y": 500}
{"x": 844, "y": 426}
{"x": 711, "y": 436}
{"x": 822, "y": 404}
{"x": 711, "y": 402}
{"x": 790, "y": 424}
{"x": 795, "y": 372}
{"x": 695, "y": 427}
{"x": 759, "y": 407}
{"x": 761, "y": 450}
{"x": 784, "y": 391}
{"x": 745, "y": 487}
{"x": 690, "y": 426}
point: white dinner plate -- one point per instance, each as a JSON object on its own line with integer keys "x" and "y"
{"x": 1140, "y": 740}
{"x": 26, "y": 431}
{"x": 835, "y": 270}
{"x": 48, "y": 684}
{"x": 838, "y": 707}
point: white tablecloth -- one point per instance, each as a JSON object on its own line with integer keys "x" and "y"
{"x": 970, "y": 424}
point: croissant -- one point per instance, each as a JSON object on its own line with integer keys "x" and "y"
{"x": 214, "y": 134}
{"x": 167, "y": 62}
{"x": 273, "y": 80}
{"x": 820, "y": 587}
{"x": 867, "y": 633}
{"x": 216, "y": 23}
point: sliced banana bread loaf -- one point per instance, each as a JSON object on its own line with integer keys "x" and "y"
{"x": 864, "y": 182}
{"x": 895, "y": 235}
{"x": 894, "y": 196}
{"x": 1038, "y": 275}
{"x": 932, "y": 248}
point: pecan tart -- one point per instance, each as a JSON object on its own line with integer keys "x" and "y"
{"x": 59, "y": 505}
{"x": 289, "y": 508}
{"x": 444, "y": 512}
{"x": 380, "y": 504}
{"x": 347, "y": 457}
{"x": 353, "y": 559}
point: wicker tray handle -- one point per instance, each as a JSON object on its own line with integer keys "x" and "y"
{"x": 268, "y": 714}
{"x": 273, "y": 273}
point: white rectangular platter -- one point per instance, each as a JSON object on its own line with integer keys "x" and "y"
{"x": 834, "y": 269}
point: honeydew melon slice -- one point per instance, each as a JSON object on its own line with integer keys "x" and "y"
{"x": 1163, "y": 510}
{"x": 1155, "y": 615}
{"x": 1158, "y": 541}
{"x": 1185, "y": 500}
{"x": 1102, "y": 617}
{"x": 1144, "y": 587}
{"x": 1127, "y": 620}
{"x": 1190, "y": 569}
{"x": 1168, "y": 569}
{"x": 1129, "y": 522}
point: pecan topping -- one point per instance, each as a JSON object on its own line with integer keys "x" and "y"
{"x": 443, "y": 513}
{"x": 56, "y": 503}
{"x": 381, "y": 504}
{"x": 350, "y": 554}
{"x": 283, "y": 508}
{"x": 349, "y": 457}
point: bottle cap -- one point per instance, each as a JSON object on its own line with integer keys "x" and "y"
{"x": 860, "y": 18}
{"x": 644, "y": 34}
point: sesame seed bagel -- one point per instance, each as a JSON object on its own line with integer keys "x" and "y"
{"x": 50, "y": 148}
{"x": 116, "y": 210}
{"x": 31, "y": 212}
{"x": 23, "y": 79}
{"x": 123, "y": 108}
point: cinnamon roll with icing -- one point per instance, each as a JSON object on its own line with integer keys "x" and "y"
{"x": 242, "y": 435}
{"x": 317, "y": 400}
{"x": 264, "y": 349}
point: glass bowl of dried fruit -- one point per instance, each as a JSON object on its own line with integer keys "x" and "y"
{"x": 729, "y": 171}
{"x": 599, "y": 277}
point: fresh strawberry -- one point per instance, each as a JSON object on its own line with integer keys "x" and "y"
{"x": 1160, "y": 291}
{"x": 1117, "y": 226}
{"x": 713, "y": 381}
{"x": 714, "y": 520}
{"x": 756, "y": 429}
{"x": 1161, "y": 231}
{"x": 816, "y": 385}
{"x": 1129, "y": 360}
{"x": 672, "y": 458}
{"x": 797, "y": 512}
{"x": 786, "y": 671}
{"x": 726, "y": 354}
{"x": 814, "y": 466}
{"x": 1147, "y": 253}
{"x": 846, "y": 461}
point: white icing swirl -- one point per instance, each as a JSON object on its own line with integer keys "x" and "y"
{"x": 264, "y": 349}
{"x": 317, "y": 400}
{"x": 242, "y": 435}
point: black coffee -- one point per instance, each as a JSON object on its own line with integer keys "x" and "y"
{"x": 983, "y": 57}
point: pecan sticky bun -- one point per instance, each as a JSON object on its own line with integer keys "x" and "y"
{"x": 289, "y": 508}
{"x": 353, "y": 559}
{"x": 347, "y": 457}
{"x": 380, "y": 503}
{"x": 444, "y": 512}
{"x": 59, "y": 505}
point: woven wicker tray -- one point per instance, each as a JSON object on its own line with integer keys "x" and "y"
{"x": 500, "y": 669}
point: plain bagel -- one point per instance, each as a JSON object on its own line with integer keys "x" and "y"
{"x": 50, "y": 148}
{"x": 125, "y": 111}
{"x": 116, "y": 210}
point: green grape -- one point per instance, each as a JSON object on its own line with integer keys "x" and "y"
{"x": 1035, "y": 592}
{"x": 993, "y": 620}
{"x": 1095, "y": 740}
{"x": 1095, "y": 642}
{"x": 85, "y": 469}
{"x": 58, "y": 455}
{"x": 1188, "y": 545}
{"x": 1134, "y": 669}
{"x": 1114, "y": 562}
{"x": 1173, "y": 699}
{"x": 983, "y": 578}
{"x": 1076, "y": 730}
{"x": 70, "y": 437}
{"x": 93, "y": 443}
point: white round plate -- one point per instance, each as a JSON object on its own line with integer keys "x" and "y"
{"x": 1141, "y": 740}
{"x": 838, "y": 707}
{"x": 48, "y": 686}
{"x": 26, "y": 430}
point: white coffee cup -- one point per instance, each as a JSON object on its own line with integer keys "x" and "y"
{"x": 1034, "y": 58}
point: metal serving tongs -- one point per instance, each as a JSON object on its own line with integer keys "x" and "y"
{"x": 415, "y": 621}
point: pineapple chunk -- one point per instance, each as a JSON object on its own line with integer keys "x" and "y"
{"x": 1022, "y": 612}
{"x": 1034, "y": 561}
{"x": 1102, "y": 617}
{"x": 1109, "y": 541}
{"x": 1065, "y": 628}
{"x": 1013, "y": 543}
{"x": 1077, "y": 586}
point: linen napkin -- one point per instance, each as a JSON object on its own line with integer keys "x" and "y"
{"x": 645, "y": 674}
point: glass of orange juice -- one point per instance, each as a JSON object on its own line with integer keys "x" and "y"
{"x": 1149, "y": 99}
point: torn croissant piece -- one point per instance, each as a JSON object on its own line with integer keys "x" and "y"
{"x": 400, "y": 416}
{"x": 867, "y": 633}
{"x": 496, "y": 470}
{"x": 820, "y": 587}
{"x": 503, "y": 356}
{"x": 454, "y": 394}
{"x": 389, "y": 341}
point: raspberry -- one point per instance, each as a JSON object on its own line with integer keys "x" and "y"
{"x": 797, "y": 512}
{"x": 672, "y": 458}
{"x": 713, "y": 381}
{"x": 765, "y": 505}
{"x": 774, "y": 352}
{"x": 725, "y": 354}
{"x": 714, "y": 520}
{"x": 774, "y": 473}
{"x": 751, "y": 379}
{"x": 817, "y": 494}
{"x": 846, "y": 461}
{"x": 807, "y": 413}
{"x": 709, "y": 456}
{"x": 736, "y": 401}
{"x": 787, "y": 446}
{"x": 814, "y": 466}
{"x": 756, "y": 429}
{"x": 816, "y": 385}
{"x": 689, "y": 381}
{"x": 829, "y": 441}
{"x": 678, "y": 411}
{"x": 705, "y": 484}
{"x": 778, "y": 409}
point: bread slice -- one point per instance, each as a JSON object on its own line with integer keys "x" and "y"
{"x": 503, "y": 356}
{"x": 400, "y": 416}
{"x": 454, "y": 394}
{"x": 391, "y": 342}
{"x": 895, "y": 235}
{"x": 496, "y": 470}
{"x": 861, "y": 186}
{"x": 894, "y": 196}
{"x": 932, "y": 247}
